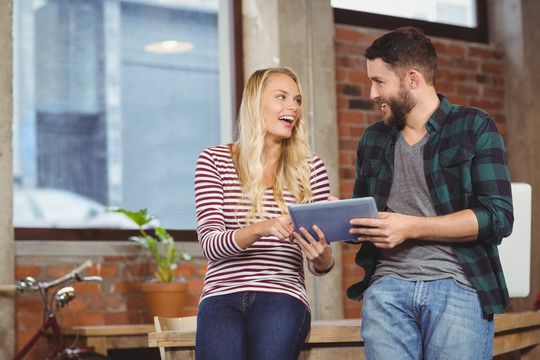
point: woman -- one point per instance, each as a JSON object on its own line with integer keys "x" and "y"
{"x": 254, "y": 303}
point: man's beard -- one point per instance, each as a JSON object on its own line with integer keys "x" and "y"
{"x": 400, "y": 106}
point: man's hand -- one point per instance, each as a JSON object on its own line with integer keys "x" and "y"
{"x": 387, "y": 232}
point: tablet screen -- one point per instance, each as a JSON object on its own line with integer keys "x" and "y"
{"x": 332, "y": 217}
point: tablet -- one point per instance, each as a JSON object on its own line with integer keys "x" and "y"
{"x": 332, "y": 217}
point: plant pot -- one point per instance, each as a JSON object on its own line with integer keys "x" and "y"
{"x": 164, "y": 299}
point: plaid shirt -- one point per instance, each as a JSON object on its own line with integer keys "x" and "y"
{"x": 465, "y": 168}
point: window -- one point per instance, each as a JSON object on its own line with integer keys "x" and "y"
{"x": 458, "y": 19}
{"x": 113, "y": 102}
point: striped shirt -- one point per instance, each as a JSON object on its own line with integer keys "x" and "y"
{"x": 268, "y": 265}
{"x": 465, "y": 167}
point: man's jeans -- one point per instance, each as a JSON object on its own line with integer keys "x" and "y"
{"x": 252, "y": 326}
{"x": 433, "y": 320}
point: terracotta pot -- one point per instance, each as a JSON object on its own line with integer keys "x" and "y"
{"x": 164, "y": 299}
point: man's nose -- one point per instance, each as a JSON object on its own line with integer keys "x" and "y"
{"x": 373, "y": 93}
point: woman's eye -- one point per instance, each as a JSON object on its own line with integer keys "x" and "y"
{"x": 298, "y": 101}
{"x": 282, "y": 97}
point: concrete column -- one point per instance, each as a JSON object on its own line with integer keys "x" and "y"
{"x": 7, "y": 324}
{"x": 513, "y": 26}
{"x": 299, "y": 34}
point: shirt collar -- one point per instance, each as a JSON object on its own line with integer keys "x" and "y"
{"x": 437, "y": 119}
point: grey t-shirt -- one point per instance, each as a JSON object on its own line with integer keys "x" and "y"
{"x": 415, "y": 260}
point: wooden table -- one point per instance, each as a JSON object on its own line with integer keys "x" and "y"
{"x": 516, "y": 331}
{"x": 341, "y": 340}
{"x": 106, "y": 337}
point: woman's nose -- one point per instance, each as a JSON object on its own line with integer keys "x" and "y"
{"x": 293, "y": 105}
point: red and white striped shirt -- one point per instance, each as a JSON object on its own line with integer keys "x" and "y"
{"x": 268, "y": 265}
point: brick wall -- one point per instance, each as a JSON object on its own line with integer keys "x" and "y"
{"x": 116, "y": 300}
{"x": 470, "y": 74}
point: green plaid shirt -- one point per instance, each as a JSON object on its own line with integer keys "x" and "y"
{"x": 466, "y": 168}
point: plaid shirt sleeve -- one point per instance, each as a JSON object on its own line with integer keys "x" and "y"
{"x": 469, "y": 171}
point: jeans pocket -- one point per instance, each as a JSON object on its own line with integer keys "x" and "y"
{"x": 372, "y": 284}
{"x": 376, "y": 281}
{"x": 465, "y": 287}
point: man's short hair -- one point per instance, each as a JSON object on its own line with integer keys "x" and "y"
{"x": 405, "y": 48}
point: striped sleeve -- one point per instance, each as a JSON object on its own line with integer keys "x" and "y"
{"x": 217, "y": 242}
{"x": 320, "y": 185}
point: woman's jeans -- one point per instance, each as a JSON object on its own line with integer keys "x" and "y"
{"x": 439, "y": 320}
{"x": 252, "y": 326}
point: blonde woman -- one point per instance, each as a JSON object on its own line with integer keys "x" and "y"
{"x": 254, "y": 303}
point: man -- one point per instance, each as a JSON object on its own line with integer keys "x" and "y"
{"x": 439, "y": 175}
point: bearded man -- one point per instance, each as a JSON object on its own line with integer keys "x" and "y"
{"x": 439, "y": 175}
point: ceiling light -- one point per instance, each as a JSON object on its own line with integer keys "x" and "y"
{"x": 169, "y": 47}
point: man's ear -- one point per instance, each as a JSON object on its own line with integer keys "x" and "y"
{"x": 413, "y": 78}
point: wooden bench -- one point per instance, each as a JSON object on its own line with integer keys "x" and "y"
{"x": 341, "y": 340}
{"x": 106, "y": 337}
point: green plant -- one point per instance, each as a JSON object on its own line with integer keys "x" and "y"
{"x": 162, "y": 246}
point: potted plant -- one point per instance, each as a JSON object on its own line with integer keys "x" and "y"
{"x": 165, "y": 293}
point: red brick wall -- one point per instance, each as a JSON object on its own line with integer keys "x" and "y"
{"x": 469, "y": 74}
{"x": 116, "y": 300}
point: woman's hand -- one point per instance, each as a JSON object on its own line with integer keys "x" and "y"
{"x": 280, "y": 227}
{"x": 318, "y": 252}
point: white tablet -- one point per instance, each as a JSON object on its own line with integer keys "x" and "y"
{"x": 332, "y": 217}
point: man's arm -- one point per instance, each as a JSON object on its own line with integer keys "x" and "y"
{"x": 392, "y": 229}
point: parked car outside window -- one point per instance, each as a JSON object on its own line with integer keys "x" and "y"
{"x": 58, "y": 208}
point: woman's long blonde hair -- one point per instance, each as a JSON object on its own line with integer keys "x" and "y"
{"x": 293, "y": 168}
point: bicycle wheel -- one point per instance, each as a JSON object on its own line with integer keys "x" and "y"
{"x": 92, "y": 356}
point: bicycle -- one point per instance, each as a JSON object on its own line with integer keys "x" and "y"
{"x": 63, "y": 296}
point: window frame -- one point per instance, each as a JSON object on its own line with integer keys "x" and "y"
{"x": 377, "y": 21}
{"x": 98, "y": 234}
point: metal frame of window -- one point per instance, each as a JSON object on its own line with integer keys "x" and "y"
{"x": 364, "y": 19}
{"x": 62, "y": 234}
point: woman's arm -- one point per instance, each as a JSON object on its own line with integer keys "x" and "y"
{"x": 318, "y": 253}
{"x": 217, "y": 242}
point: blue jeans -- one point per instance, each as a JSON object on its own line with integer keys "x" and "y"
{"x": 439, "y": 319}
{"x": 252, "y": 326}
